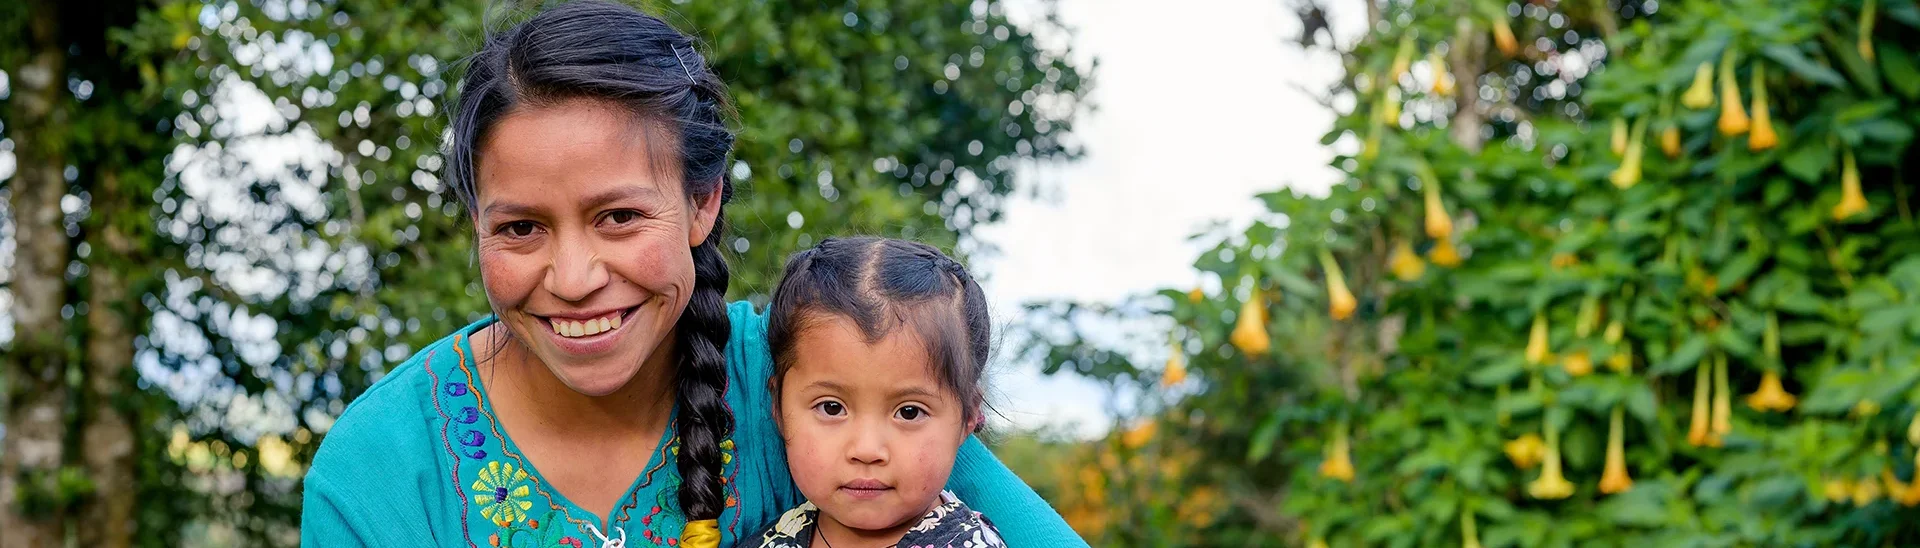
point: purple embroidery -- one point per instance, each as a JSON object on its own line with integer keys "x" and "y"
{"x": 499, "y": 495}
{"x": 456, "y": 389}
{"x": 477, "y": 454}
{"x": 467, "y": 415}
{"x": 473, "y": 438}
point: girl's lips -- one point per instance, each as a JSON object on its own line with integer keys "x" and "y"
{"x": 865, "y": 488}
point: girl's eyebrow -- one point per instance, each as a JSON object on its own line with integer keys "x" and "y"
{"x": 915, "y": 390}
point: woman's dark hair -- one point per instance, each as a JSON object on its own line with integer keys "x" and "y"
{"x": 601, "y": 51}
{"x": 883, "y": 284}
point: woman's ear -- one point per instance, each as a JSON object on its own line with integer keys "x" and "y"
{"x": 705, "y": 211}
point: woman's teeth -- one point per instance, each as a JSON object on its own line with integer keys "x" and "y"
{"x": 570, "y": 328}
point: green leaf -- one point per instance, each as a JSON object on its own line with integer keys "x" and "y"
{"x": 1898, "y": 65}
{"x": 1261, "y": 444}
{"x": 1810, "y": 160}
{"x": 1684, "y": 357}
{"x": 1791, "y": 57}
{"x": 1501, "y": 372}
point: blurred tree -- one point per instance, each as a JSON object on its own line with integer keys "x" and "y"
{"x": 229, "y": 219}
{"x": 1585, "y": 255}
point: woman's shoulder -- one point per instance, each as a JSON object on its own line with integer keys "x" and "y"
{"x": 747, "y": 355}
{"x": 393, "y": 419}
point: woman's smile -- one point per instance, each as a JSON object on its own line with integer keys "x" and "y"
{"x": 586, "y": 333}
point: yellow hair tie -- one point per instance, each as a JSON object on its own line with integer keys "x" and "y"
{"x": 701, "y": 534}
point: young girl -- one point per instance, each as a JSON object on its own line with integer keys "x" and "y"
{"x": 878, "y": 349}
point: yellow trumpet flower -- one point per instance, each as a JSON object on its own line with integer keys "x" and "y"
{"x": 1402, "y": 58}
{"x": 1865, "y": 492}
{"x": 1138, "y": 436}
{"x": 1339, "y": 461}
{"x": 1196, "y": 295}
{"x": 1614, "y": 478}
{"x": 1439, "y": 223}
{"x": 1551, "y": 485}
{"x": 1442, "y": 82}
{"x": 1577, "y": 363}
{"x": 1763, "y": 137}
{"x": 1444, "y": 254}
{"x": 1250, "y": 332}
{"x": 1771, "y": 396}
{"x": 1622, "y": 358}
{"x": 1700, "y": 94}
{"x": 1913, "y": 430}
{"x": 1525, "y": 451}
{"x": 1722, "y": 400}
{"x": 1503, "y": 37}
{"x": 1469, "y": 531}
{"x": 1865, "y": 43}
{"x": 1628, "y": 174}
{"x": 1619, "y": 141}
{"x": 1852, "y": 200}
{"x": 1404, "y": 263}
{"x": 1340, "y": 301}
{"x": 1697, "y": 434}
{"x": 1176, "y": 370}
{"x": 1733, "y": 119}
{"x": 1670, "y": 140}
{"x": 1537, "y": 340}
{"x": 1906, "y": 494}
{"x": 1836, "y": 489}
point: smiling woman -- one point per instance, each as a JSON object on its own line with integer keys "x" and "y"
{"x": 589, "y": 147}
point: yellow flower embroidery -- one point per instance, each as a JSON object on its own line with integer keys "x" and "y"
{"x": 500, "y": 491}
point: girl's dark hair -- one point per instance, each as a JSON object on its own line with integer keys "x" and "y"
{"x": 601, "y": 51}
{"x": 883, "y": 284}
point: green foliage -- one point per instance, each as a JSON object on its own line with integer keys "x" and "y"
{"x": 1696, "y": 259}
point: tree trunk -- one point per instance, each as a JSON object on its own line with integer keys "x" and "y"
{"x": 36, "y": 366}
{"x": 1467, "y": 56}
{"x": 107, "y": 438}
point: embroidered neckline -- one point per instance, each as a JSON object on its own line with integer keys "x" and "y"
{"x": 616, "y": 518}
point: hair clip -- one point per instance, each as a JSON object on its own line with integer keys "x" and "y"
{"x": 683, "y": 63}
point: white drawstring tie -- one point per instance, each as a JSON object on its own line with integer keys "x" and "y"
{"x": 608, "y": 542}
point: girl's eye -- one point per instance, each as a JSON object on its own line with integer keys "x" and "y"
{"x": 911, "y": 413}
{"x": 518, "y": 229}
{"x": 623, "y": 216}
{"x": 831, "y": 408}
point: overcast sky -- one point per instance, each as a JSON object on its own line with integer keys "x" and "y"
{"x": 1199, "y": 108}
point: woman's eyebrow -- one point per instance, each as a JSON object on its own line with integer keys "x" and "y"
{"x": 509, "y": 209}
{"x": 624, "y": 192}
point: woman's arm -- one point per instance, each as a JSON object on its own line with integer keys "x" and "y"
{"x": 989, "y": 487}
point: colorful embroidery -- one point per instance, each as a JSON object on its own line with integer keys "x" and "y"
{"x": 506, "y": 491}
{"x": 501, "y": 493}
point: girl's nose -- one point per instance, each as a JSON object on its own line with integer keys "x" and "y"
{"x": 869, "y": 446}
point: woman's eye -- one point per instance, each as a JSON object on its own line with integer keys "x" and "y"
{"x": 518, "y": 229}
{"x": 911, "y": 413}
{"x": 831, "y": 408}
{"x": 623, "y": 216}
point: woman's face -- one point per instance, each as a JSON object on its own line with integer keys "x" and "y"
{"x": 586, "y": 239}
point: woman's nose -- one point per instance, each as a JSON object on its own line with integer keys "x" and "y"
{"x": 577, "y": 270}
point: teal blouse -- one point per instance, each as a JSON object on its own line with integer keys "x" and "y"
{"x": 419, "y": 460}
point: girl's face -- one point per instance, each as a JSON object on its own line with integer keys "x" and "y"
{"x": 871, "y": 433}
{"x": 585, "y": 244}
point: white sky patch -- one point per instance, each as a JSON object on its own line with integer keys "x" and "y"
{"x": 1199, "y": 107}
